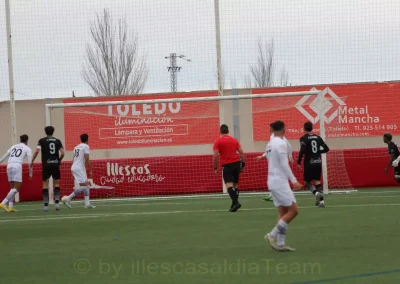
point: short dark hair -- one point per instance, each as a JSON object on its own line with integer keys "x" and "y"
{"x": 388, "y": 136}
{"x": 308, "y": 126}
{"x": 84, "y": 138}
{"x": 24, "y": 138}
{"x": 49, "y": 130}
{"x": 278, "y": 125}
{"x": 224, "y": 129}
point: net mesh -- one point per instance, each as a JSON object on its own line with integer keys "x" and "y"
{"x": 166, "y": 148}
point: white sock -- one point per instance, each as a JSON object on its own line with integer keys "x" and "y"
{"x": 86, "y": 193}
{"x": 76, "y": 192}
{"x": 280, "y": 239}
{"x": 282, "y": 227}
{"x": 10, "y": 196}
{"x": 277, "y": 228}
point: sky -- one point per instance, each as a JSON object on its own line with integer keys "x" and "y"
{"x": 316, "y": 41}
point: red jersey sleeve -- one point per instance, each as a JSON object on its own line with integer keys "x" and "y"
{"x": 216, "y": 145}
{"x": 238, "y": 145}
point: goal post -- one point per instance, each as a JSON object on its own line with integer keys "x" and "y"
{"x": 88, "y": 115}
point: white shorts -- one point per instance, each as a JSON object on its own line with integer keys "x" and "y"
{"x": 14, "y": 172}
{"x": 282, "y": 196}
{"x": 79, "y": 175}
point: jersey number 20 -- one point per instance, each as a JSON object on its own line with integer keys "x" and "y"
{"x": 16, "y": 152}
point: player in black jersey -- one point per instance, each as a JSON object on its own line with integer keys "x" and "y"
{"x": 311, "y": 147}
{"x": 394, "y": 154}
{"x": 52, "y": 153}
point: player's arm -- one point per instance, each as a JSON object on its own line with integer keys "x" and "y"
{"x": 30, "y": 161}
{"x": 6, "y": 155}
{"x": 302, "y": 151}
{"x": 284, "y": 163}
{"x": 215, "y": 156}
{"x": 392, "y": 158}
{"x": 325, "y": 148}
{"x": 241, "y": 155}
{"x": 88, "y": 165}
{"x": 38, "y": 148}
{"x": 62, "y": 152}
{"x": 215, "y": 160}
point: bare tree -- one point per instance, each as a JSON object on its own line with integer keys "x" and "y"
{"x": 284, "y": 77}
{"x": 113, "y": 64}
{"x": 263, "y": 72}
{"x": 248, "y": 84}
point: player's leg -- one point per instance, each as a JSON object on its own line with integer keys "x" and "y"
{"x": 397, "y": 174}
{"x": 86, "y": 194}
{"x": 320, "y": 202}
{"x": 309, "y": 177}
{"x": 268, "y": 197}
{"x": 235, "y": 177}
{"x": 228, "y": 180}
{"x": 14, "y": 173}
{"x": 319, "y": 195}
{"x": 81, "y": 184}
{"x": 45, "y": 187}
{"x": 288, "y": 210}
{"x": 57, "y": 191}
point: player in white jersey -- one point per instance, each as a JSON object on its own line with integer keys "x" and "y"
{"x": 16, "y": 156}
{"x": 279, "y": 173}
{"x": 265, "y": 155}
{"x": 80, "y": 164}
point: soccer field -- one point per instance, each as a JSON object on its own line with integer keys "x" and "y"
{"x": 353, "y": 240}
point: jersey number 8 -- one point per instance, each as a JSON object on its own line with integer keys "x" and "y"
{"x": 314, "y": 146}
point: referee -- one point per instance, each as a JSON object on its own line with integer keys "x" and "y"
{"x": 228, "y": 149}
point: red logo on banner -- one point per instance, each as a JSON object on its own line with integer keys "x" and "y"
{"x": 142, "y": 125}
{"x": 351, "y": 110}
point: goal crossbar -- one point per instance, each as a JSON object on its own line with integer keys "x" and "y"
{"x": 179, "y": 100}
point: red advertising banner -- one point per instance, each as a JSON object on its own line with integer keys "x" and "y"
{"x": 157, "y": 176}
{"x": 142, "y": 125}
{"x": 350, "y": 110}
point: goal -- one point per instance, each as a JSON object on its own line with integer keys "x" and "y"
{"x": 162, "y": 144}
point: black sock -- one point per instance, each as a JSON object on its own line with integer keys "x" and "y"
{"x": 320, "y": 189}
{"x": 57, "y": 194}
{"x": 45, "y": 194}
{"x": 233, "y": 195}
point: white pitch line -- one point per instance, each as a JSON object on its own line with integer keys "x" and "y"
{"x": 103, "y": 215}
{"x": 36, "y": 207}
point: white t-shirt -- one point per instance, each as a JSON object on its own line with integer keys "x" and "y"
{"x": 278, "y": 164}
{"x": 79, "y": 156}
{"x": 17, "y": 153}
{"x": 290, "y": 152}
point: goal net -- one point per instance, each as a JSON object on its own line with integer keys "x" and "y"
{"x": 162, "y": 144}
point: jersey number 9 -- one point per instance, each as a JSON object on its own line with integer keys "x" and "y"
{"x": 52, "y": 147}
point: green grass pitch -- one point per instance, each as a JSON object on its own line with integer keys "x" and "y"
{"x": 355, "y": 239}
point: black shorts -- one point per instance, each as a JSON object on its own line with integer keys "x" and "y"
{"x": 397, "y": 172}
{"x": 51, "y": 171}
{"x": 231, "y": 172}
{"x": 312, "y": 172}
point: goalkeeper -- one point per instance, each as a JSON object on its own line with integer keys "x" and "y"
{"x": 394, "y": 155}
